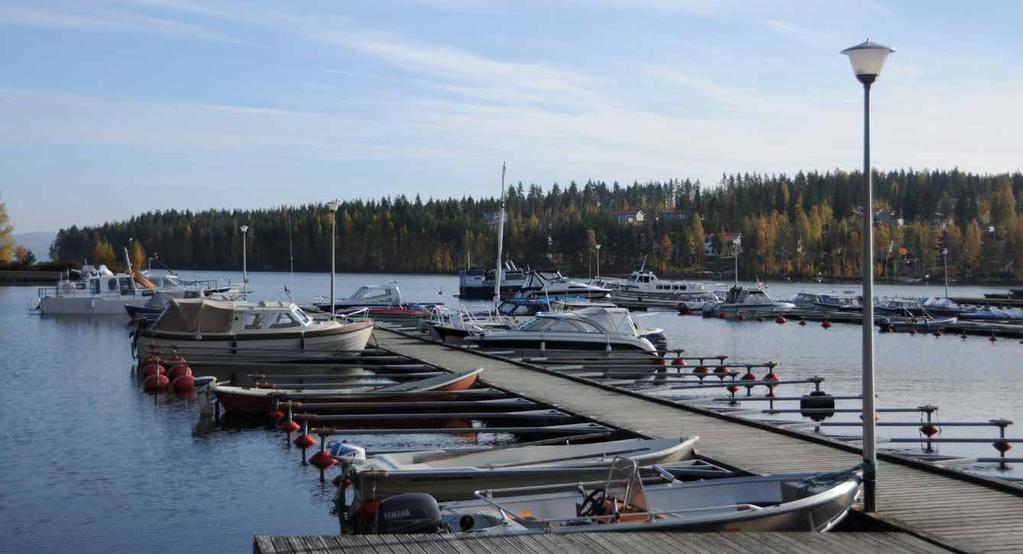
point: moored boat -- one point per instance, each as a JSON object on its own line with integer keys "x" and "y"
{"x": 201, "y": 327}
{"x": 260, "y": 400}
{"x": 622, "y": 503}
{"x": 382, "y": 303}
{"x": 746, "y": 301}
{"x": 593, "y": 328}
{"x": 456, "y": 475}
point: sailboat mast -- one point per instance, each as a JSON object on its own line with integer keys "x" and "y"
{"x": 500, "y": 242}
{"x": 291, "y": 252}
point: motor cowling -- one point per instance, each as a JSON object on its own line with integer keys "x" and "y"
{"x": 415, "y": 512}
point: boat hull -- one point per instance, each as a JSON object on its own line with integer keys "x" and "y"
{"x": 85, "y": 305}
{"x": 241, "y": 400}
{"x": 458, "y": 483}
{"x": 794, "y": 504}
{"x": 353, "y": 336}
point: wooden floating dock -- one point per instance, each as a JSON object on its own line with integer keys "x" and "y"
{"x": 953, "y": 509}
{"x": 600, "y": 543}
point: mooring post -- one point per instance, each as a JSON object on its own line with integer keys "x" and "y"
{"x": 1002, "y": 445}
{"x": 929, "y": 429}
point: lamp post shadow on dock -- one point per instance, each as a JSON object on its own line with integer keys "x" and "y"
{"x": 867, "y": 59}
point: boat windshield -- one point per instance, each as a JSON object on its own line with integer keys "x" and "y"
{"x": 558, "y": 325}
{"x": 301, "y": 315}
{"x": 283, "y": 320}
{"x": 756, "y": 296}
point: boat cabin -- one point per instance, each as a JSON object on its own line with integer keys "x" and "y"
{"x": 647, "y": 281}
{"x": 197, "y": 316}
{"x": 375, "y": 295}
{"x": 743, "y": 295}
{"x": 596, "y": 320}
{"x": 97, "y": 281}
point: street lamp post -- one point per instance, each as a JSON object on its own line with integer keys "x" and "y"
{"x": 737, "y": 246}
{"x": 867, "y": 59}
{"x": 245, "y": 266}
{"x": 333, "y": 205}
{"x": 597, "y": 247}
{"x": 944, "y": 263}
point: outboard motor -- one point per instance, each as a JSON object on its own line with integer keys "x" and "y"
{"x": 414, "y": 512}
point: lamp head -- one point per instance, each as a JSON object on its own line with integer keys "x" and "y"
{"x": 333, "y": 205}
{"x": 867, "y": 59}
{"x": 244, "y": 228}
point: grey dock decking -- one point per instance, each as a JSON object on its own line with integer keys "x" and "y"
{"x": 951, "y": 510}
{"x": 600, "y": 543}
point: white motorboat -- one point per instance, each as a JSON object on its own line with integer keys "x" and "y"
{"x": 622, "y": 503}
{"x": 478, "y": 284}
{"x": 99, "y": 291}
{"x": 456, "y": 475}
{"x": 382, "y": 303}
{"x": 846, "y": 301}
{"x": 593, "y": 328}
{"x": 747, "y": 301}
{"x": 553, "y": 283}
{"x": 202, "y": 328}
{"x": 645, "y": 282}
{"x": 371, "y": 296}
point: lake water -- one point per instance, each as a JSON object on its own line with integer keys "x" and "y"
{"x": 95, "y": 465}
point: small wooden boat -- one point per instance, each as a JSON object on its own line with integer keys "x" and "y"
{"x": 456, "y": 475}
{"x": 259, "y": 400}
{"x": 622, "y": 503}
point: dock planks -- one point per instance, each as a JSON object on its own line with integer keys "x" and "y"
{"x": 600, "y": 543}
{"x": 947, "y": 509}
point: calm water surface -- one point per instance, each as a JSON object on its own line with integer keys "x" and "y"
{"x": 95, "y": 465}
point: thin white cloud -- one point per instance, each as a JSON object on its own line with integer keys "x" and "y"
{"x": 696, "y": 7}
{"x": 470, "y": 74}
{"x": 104, "y": 20}
{"x": 800, "y": 33}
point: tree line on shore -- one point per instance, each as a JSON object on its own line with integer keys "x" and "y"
{"x": 802, "y": 226}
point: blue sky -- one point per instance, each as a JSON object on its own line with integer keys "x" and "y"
{"x": 114, "y": 107}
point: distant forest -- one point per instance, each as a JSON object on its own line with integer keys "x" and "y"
{"x": 803, "y": 226}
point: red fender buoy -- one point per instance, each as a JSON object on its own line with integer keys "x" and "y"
{"x": 153, "y": 369}
{"x": 183, "y": 382}
{"x": 178, "y": 370}
{"x": 305, "y": 441}
{"x": 780, "y": 320}
{"x": 322, "y": 460}
{"x": 155, "y": 383}
{"x": 679, "y": 361}
{"x": 277, "y": 415}
{"x": 291, "y": 426}
{"x": 929, "y": 430}
{"x": 1002, "y": 445}
{"x": 826, "y": 324}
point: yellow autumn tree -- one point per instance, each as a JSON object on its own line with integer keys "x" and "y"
{"x": 6, "y": 235}
{"x": 972, "y": 243}
{"x": 103, "y": 253}
{"x": 138, "y": 256}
